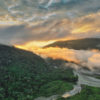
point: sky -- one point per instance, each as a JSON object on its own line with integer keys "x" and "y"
{"x": 33, "y": 21}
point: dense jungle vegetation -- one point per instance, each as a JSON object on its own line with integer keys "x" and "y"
{"x": 25, "y": 76}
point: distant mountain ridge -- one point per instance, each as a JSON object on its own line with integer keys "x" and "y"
{"x": 87, "y": 43}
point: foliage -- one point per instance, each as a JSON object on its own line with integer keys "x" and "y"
{"x": 25, "y": 76}
{"x": 87, "y": 93}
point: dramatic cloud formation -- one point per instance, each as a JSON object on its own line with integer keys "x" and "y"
{"x": 23, "y": 21}
{"x": 87, "y": 24}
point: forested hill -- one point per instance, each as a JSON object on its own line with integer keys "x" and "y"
{"x": 87, "y": 43}
{"x": 11, "y": 55}
{"x": 26, "y": 76}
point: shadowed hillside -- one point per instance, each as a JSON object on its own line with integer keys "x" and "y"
{"x": 10, "y": 55}
{"x": 25, "y": 76}
{"x": 88, "y": 43}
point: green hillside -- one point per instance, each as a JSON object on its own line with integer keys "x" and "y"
{"x": 88, "y": 43}
{"x": 87, "y": 93}
{"x": 25, "y": 76}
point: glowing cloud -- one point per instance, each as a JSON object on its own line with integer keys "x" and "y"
{"x": 90, "y": 59}
{"x": 87, "y": 24}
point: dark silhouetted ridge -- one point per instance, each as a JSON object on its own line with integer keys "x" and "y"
{"x": 88, "y": 43}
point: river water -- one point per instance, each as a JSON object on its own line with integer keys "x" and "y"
{"x": 85, "y": 77}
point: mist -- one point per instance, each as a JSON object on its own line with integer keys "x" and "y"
{"x": 85, "y": 58}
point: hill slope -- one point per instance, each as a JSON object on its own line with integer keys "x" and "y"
{"x": 88, "y": 43}
{"x": 25, "y": 76}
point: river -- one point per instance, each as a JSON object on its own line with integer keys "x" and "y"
{"x": 84, "y": 78}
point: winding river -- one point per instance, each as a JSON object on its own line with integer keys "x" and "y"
{"x": 84, "y": 78}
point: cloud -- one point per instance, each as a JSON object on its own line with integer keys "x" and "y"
{"x": 51, "y": 29}
{"x": 24, "y": 9}
{"x": 87, "y": 24}
{"x": 85, "y": 58}
{"x": 26, "y": 20}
